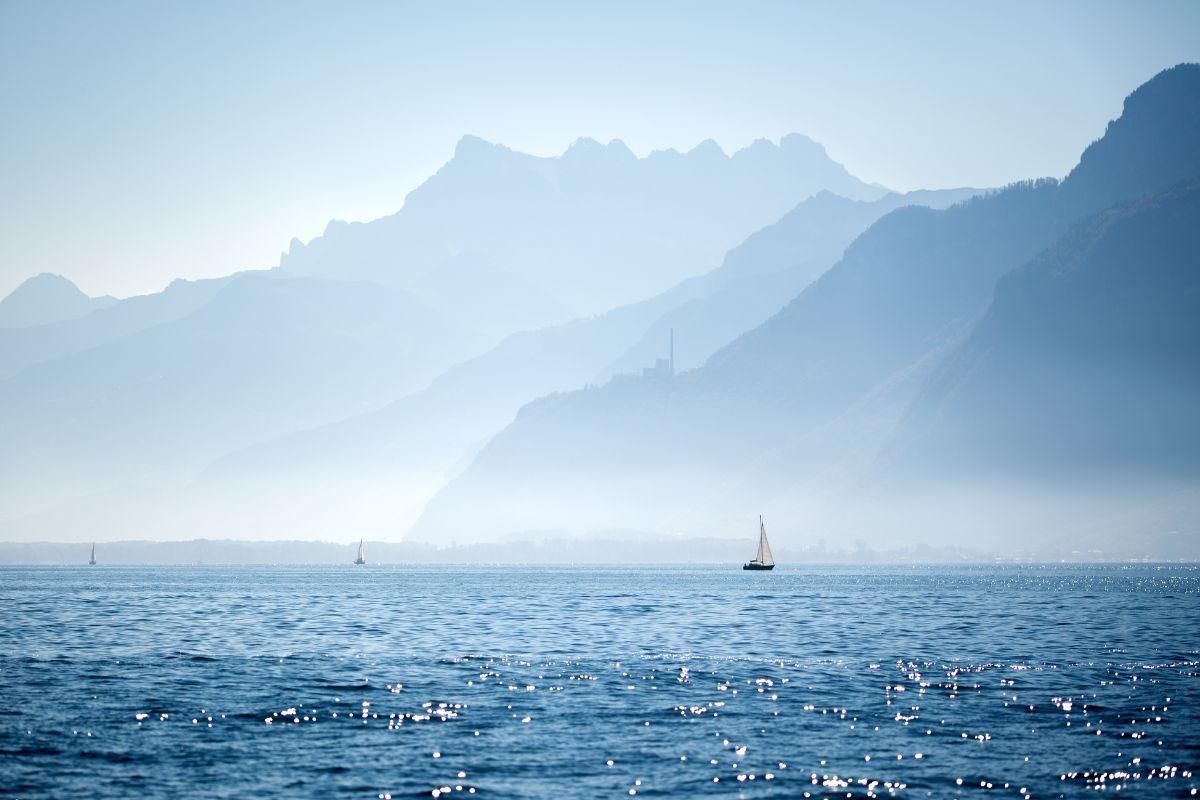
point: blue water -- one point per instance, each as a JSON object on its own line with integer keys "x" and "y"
{"x": 599, "y": 682}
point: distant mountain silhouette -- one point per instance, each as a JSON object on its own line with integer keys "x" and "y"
{"x": 1150, "y": 146}
{"x": 861, "y": 337}
{"x": 129, "y": 396}
{"x": 663, "y": 446}
{"x": 760, "y": 275}
{"x": 47, "y": 298}
{"x": 22, "y": 347}
{"x": 265, "y": 357}
{"x": 375, "y": 471}
{"x": 1085, "y": 364}
{"x": 595, "y": 228}
{"x": 1010, "y": 365}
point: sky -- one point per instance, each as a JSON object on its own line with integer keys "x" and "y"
{"x": 141, "y": 142}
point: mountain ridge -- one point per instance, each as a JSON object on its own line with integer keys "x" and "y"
{"x": 1114, "y": 298}
{"x": 594, "y": 228}
{"x": 377, "y": 469}
{"x": 47, "y": 298}
{"x": 911, "y": 285}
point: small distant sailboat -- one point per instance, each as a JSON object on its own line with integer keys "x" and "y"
{"x": 92, "y": 560}
{"x": 362, "y": 558}
{"x": 763, "y": 559}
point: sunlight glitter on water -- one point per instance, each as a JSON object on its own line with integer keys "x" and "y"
{"x": 821, "y": 702}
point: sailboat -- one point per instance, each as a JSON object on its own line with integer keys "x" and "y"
{"x": 92, "y": 560}
{"x": 362, "y": 559}
{"x": 763, "y": 559}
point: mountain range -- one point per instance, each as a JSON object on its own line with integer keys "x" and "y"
{"x": 264, "y": 357}
{"x": 662, "y": 346}
{"x": 792, "y": 415}
{"x": 121, "y": 408}
{"x": 380, "y": 468}
{"x": 595, "y": 228}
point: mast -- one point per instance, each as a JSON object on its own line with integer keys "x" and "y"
{"x": 764, "y": 548}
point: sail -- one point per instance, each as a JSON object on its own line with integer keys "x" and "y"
{"x": 764, "y": 556}
{"x": 360, "y": 551}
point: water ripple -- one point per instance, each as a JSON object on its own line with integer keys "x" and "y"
{"x": 542, "y": 682}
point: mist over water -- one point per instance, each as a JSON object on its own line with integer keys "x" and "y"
{"x": 1043, "y": 681}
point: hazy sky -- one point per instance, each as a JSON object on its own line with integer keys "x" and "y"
{"x": 141, "y": 142}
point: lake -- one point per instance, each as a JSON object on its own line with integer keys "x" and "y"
{"x": 394, "y": 681}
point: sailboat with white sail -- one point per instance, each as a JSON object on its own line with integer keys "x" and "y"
{"x": 362, "y": 558}
{"x": 763, "y": 559}
{"x": 92, "y": 560}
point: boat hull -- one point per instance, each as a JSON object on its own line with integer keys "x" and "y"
{"x": 753, "y": 566}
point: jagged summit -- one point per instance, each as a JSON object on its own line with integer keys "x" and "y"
{"x": 48, "y": 282}
{"x": 707, "y": 149}
{"x": 47, "y": 298}
{"x": 798, "y": 142}
{"x": 595, "y": 227}
{"x": 588, "y": 149}
{"x": 472, "y": 146}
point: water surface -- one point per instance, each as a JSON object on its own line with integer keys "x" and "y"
{"x": 600, "y": 682}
